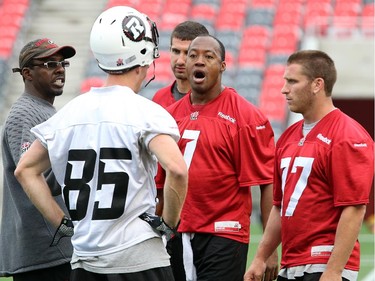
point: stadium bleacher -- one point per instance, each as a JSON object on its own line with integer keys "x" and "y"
{"x": 12, "y": 16}
{"x": 258, "y": 35}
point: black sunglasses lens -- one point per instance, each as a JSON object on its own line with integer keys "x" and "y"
{"x": 52, "y": 64}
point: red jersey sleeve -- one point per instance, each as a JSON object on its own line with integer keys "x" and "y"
{"x": 256, "y": 154}
{"x": 160, "y": 177}
{"x": 350, "y": 185}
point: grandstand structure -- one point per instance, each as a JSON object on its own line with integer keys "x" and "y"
{"x": 258, "y": 35}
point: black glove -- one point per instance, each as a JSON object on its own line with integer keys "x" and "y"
{"x": 65, "y": 229}
{"x": 158, "y": 223}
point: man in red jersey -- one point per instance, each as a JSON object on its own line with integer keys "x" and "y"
{"x": 181, "y": 37}
{"x": 324, "y": 166}
{"x": 228, "y": 145}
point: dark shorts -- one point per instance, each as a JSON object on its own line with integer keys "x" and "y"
{"x": 174, "y": 249}
{"x": 218, "y": 258}
{"x": 306, "y": 277}
{"x": 56, "y": 273}
{"x": 215, "y": 258}
{"x": 155, "y": 274}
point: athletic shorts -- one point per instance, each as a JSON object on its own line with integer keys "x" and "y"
{"x": 174, "y": 249}
{"x": 218, "y": 258}
{"x": 154, "y": 274}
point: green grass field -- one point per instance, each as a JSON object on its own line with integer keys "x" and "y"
{"x": 366, "y": 239}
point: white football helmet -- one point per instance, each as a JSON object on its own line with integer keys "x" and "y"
{"x": 122, "y": 38}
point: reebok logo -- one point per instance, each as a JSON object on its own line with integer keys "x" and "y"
{"x": 227, "y": 117}
{"x": 262, "y": 127}
{"x": 324, "y": 139}
{"x": 360, "y": 145}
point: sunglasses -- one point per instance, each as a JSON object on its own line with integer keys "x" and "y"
{"x": 54, "y": 64}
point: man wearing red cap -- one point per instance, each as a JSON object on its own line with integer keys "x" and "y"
{"x": 25, "y": 250}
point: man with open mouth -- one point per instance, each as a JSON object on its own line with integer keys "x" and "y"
{"x": 25, "y": 235}
{"x": 228, "y": 145}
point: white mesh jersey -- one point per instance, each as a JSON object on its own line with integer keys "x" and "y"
{"x": 98, "y": 148}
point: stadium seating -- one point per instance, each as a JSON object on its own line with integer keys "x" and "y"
{"x": 252, "y": 57}
{"x": 367, "y": 20}
{"x": 203, "y": 12}
{"x": 12, "y": 13}
{"x": 130, "y": 3}
{"x": 173, "y": 13}
{"x": 152, "y": 8}
{"x": 12, "y": 17}
{"x": 259, "y": 16}
{"x": 229, "y": 21}
{"x": 284, "y": 40}
{"x": 264, "y": 3}
{"x": 345, "y": 18}
{"x": 317, "y": 17}
{"x": 288, "y": 13}
{"x": 248, "y": 77}
{"x": 215, "y": 3}
{"x": 258, "y": 35}
{"x": 92, "y": 81}
{"x": 164, "y": 40}
{"x": 162, "y": 69}
{"x": 3, "y": 70}
{"x": 230, "y": 39}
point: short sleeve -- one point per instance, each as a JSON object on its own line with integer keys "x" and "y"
{"x": 255, "y": 154}
{"x": 351, "y": 179}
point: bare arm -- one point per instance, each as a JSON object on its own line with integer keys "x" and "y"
{"x": 175, "y": 187}
{"x": 346, "y": 235}
{"x": 270, "y": 241}
{"x": 266, "y": 202}
{"x": 29, "y": 173}
{"x": 272, "y": 264}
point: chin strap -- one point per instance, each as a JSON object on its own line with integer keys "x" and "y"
{"x": 153, "y": 76}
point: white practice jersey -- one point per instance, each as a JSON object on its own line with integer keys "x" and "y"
{"x": 98, "y": 148}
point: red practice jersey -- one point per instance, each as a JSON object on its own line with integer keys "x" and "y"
{"x": 314, "y": 178}
{"x": 228, "y": 145}
{"x": 164, "y": 96}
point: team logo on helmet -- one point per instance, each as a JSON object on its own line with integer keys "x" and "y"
{"x": 120, "y": 62}
{"x": 134, "y": 28}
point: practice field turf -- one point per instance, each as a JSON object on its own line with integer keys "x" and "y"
{"x": 366, "y": 273}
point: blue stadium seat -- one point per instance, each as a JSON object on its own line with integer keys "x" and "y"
{"x": 259, "y": 16}
{"x": 230, "y": 38}
{"x": 250, "y": 94}
{"x": 248, "y": 77}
